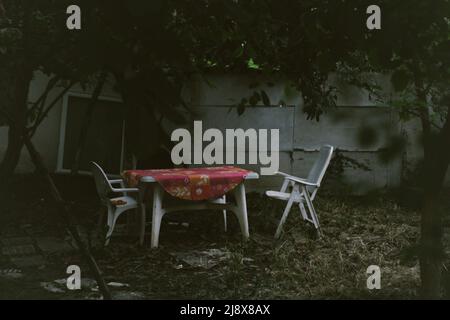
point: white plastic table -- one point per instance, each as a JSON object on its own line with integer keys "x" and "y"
{"x": 158, "y": 211}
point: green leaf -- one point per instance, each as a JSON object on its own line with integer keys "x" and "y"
{"x": 326, "y": 62}
{"x": 142, "y": 8}
{"x": 254, "y": 99}
{"x": 240, "y": 109}
{"x": 253, "y": 85}
{"x": 400, "y": 80}
{"x": 265, "y": 98}
{"x": 252, "y": 65}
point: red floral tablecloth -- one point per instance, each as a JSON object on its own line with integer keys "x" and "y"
{"x": 192, "y": 183}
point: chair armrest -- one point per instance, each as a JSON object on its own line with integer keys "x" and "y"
{"x": 126, "y": 190}
{"x": 303, "y": 181}
{"x": 298, "y": 180}
{"x": 283, "y": 174}
{"x": 116, "y": 181}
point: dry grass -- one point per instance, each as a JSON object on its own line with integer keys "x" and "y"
{"x": 357, "y": 233}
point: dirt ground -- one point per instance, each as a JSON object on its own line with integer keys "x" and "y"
{"x": 198, "y": 260}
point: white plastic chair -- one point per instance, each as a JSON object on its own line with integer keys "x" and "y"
{"x": 117, "y": 205}
{"x": 301, "y": 191}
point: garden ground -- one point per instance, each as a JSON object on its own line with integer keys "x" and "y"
{"x": 198, "y": 260}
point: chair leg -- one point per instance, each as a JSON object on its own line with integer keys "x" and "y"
{"x": 284, "y": 216}
{"x": 156, "y": 215}
{"x": 112, "y": 219}
{"x": 224, "y": 201}
{"x": 313, "y": 214}
{"x": 142, "y": 214}
{"x": 239, "y": 193}
{"x": 113, "y": 215}
{"x": 142, "y": 223}
{"x": 109, "y": 223}
{"x": 131, "y": 223}
{"x": 303, "y": 211}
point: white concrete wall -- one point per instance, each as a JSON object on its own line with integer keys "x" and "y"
{"x": 300, "y": 139}
{"x": 213, "y": 100}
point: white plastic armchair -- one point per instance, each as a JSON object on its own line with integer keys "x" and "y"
{"x": 303, "y": 191}
{"x": 115, "y": 205}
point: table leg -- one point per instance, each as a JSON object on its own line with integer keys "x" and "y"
{"x": 157, "y": 214}
{"x": 141, "y": 198}
{"x": 239, "y": 194}
{"x": 224, "y": 201}
{"x": 131, "y": 223}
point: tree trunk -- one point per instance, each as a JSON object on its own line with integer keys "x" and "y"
{"x": 87, "y": 119}
{"x": 2, "y": 10}
{"x": 437, "y": 159}
{"x": 18, "y": 126}
{"x": 431, "y": 249}
{"x": 12, "y": 153}
{"x": 23, "y": 74}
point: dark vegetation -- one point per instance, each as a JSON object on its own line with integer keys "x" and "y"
{"x": 152, "y": 48}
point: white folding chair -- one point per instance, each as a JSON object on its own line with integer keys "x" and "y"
{"x": 301, "y": 191}
{"x": 117, "y": 205}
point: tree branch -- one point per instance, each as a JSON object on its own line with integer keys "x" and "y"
{"x": 40, "y": 103}
{"x": 40, "y": 167}
{"x": 87, "y": 122}
{"x": 419, "y": 115}
{"x": 44, "y": 114}
{"x": 2, "y": 10}
{"x": 68, "y": 218}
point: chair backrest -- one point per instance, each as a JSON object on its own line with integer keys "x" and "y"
{"x": 320, "y": 167}
{"x": 104, "y": 187}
